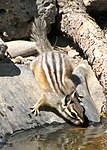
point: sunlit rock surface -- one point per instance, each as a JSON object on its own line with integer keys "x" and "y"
{"x": 19, "y": 91}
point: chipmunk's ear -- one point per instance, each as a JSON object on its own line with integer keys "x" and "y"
{"x": 76, "y": 96}
{"x": 69, "y": 99}
{"x": 73, "y": 97}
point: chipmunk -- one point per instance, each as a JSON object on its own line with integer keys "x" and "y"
{"x": 53, "y": 71}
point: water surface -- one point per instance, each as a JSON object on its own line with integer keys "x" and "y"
{"x": 59, "y": 137}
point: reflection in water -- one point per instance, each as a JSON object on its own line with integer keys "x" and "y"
{"x": 59, "y": 138}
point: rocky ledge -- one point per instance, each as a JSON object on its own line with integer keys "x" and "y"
{"x": 19, "y": 91}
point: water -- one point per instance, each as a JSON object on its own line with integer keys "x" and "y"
{"x": 59, "y": 138}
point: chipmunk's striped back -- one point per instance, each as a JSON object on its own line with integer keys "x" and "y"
{"x": 52, "y": 70}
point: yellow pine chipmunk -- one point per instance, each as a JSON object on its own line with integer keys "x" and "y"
{"x": 53, "y": 71}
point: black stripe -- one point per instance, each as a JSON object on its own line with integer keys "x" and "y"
{"x": 54, "y": 64}
{"x": 49, "y": 71}
{"x": 75, "y": 109}
{"x": 71, "y": 116}
{"x": 61, "y": 70}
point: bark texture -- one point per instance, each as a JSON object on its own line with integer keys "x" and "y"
{"x": 77, "y": 24}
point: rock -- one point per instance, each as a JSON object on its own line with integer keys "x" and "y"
{"x": 19, "y": 91}
{"x": 47, "y": 9}
{"x": 17, "y": 94}
{"x": 21, "y": 48}
{"x": 3, "y": 48}
{"x": 16, "y": 16}
{"x": 88, "y": 86}
{"x": 3, "y": 140}
{"x": 99, "y": 5}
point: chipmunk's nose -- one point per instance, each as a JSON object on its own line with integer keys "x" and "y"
{"x": 79, "y": 122}
{"x": 82, "y": 121}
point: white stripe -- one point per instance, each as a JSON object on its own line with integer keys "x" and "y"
{"x": 72, "y": 110}
{"x": 68, "y": 113}
{"x": 63, "y": 70}
{"x": 45, "y": 68}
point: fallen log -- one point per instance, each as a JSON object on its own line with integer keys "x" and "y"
{"x": 77, "y": 24}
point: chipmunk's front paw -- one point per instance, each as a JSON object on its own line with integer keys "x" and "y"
{"x": 35, "y": 111}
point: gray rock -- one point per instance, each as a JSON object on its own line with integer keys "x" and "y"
{"x": 16, "y": 16}
{"x": 21, "y": 48}
{"x": 19, "y": 91}
{"x": 47, "y": 9}
{"x": 91, "y": 91}
{"x": 98, "y": 5}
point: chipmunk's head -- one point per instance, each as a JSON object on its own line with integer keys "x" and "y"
{"x": 71, "y": 109}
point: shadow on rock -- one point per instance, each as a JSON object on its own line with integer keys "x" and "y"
{"x": 76, "y": 80}
{"x": 9, "y": 69}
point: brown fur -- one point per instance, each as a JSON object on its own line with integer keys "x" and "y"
{"x": 49, "y": 96}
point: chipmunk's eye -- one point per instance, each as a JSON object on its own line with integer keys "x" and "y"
{"x": 73, "y": 114}
{"x": 67, "y": 99}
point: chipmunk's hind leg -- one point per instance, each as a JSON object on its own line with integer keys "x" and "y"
{"x": 40, "y": 102}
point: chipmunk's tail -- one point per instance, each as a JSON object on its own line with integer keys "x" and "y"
{"x": 39, "y": 35}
